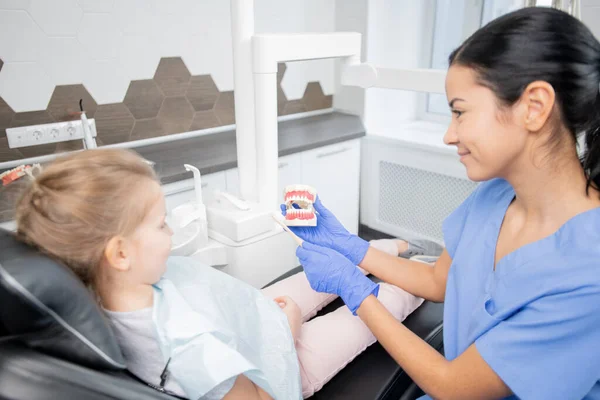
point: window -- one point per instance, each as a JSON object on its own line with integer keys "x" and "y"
{"x": 453, "y": 22}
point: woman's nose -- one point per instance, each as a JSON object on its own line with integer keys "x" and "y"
{"x": 451, "y": 137}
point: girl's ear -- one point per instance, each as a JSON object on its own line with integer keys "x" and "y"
{"x": 117, "y": 253}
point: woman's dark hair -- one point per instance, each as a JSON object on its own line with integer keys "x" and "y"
{"x": 543, "y": 44}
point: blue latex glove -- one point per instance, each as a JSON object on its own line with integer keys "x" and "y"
{"x": 330, "y": 272}
{"x": 329, "y": 232}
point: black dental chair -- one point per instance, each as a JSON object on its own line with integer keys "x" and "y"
{"x": 56, "y": 344}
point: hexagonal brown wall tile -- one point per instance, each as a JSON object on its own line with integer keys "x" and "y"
{"x": 31, "y": 118}
{"x": 146, "y": 129}
{"x": 64, "y": 103}
{"x": 172, "y": 76}
{"x": 71, "y": 145}
{"x": 281, "y": 67}
{"x": 314, "y": 98}
{"x": 6, "y": 116}
{"x": 36, "y": 151}
{"x": 7, "y": 154}
{"x": 281, "y": 100}
{"x": 294, "y": 107}
{"x": 225, "y": 108}
{"x": 114, "y": 123}
{"x": 143, "y": 98}
{"x": 175, "y": 115}
{"x": 281, "y": 97}
{"x": 202, "y": 92}
{"x": 204, "y": 120}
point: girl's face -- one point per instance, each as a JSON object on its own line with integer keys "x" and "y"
{"x": 486, "y": 138}
{"x": 151, "y": 242}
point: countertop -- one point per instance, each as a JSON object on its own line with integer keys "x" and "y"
{"x": 217, "y": 152}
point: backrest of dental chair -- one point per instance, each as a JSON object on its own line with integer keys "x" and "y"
{"x": 45, "y": 306}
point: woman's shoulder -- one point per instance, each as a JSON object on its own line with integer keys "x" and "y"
{"x": 579, "y": 237}
{"x": 570, "y": 256}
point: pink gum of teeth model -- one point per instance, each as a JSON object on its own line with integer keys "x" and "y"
{"x": 304, "y": 196}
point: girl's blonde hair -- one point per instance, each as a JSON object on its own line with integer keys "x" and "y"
{"x": 82, "y": 200}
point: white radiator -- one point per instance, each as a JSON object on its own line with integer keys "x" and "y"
{"x": 407, "y": 190}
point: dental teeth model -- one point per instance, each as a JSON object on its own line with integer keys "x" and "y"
{"x": 18, "y": 172}
{"x": 303, "y": 196}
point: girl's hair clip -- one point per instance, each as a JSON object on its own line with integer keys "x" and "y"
{"x": 14, "y": 174}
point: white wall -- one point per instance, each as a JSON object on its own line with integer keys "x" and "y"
{"x": 590, "y": 14}
{"x": 395, "y": 39}
{"x": 105, "y": 44}
{"x": 351, "y": 16}
{"x": 288, "y": 16}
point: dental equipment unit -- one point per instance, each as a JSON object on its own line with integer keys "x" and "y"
{"x": 257, "y": 249}
{"x": 190, "y": 232}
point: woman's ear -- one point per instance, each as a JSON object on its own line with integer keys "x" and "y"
{"x": 117, "y": 254}
{"x": 538, "y": 99}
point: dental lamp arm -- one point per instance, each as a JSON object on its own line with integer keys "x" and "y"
{"x": 466, "y": 377}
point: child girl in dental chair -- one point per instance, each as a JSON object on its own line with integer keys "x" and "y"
{"x": 186, "y": 328}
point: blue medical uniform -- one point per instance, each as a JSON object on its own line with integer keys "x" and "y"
{"x": 535, "y": 320}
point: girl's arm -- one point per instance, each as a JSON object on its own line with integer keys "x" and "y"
{"x": 245, "y": 389}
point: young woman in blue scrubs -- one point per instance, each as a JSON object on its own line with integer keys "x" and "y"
{"x": 520, "y": 275}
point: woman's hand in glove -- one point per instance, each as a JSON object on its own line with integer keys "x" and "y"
{"x": 329, "y": 232}
{"x": 330, "y": 272}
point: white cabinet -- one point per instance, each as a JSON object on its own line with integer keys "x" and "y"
{"x": 290, "y": 172}
{"x": 334, "y": 171}
{"x": 180, "y": 192}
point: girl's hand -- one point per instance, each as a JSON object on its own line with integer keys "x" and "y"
{"x": 292, "y": 312}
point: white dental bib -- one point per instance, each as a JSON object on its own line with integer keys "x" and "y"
{"x": 213, "y": 327}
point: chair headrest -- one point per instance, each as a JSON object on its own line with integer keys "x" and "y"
{"x": 50, "y": 309}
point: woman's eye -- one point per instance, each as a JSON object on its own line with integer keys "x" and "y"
{"x": 457, "y": 113}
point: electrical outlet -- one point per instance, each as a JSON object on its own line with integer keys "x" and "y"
{"x": 34, "y": 135}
